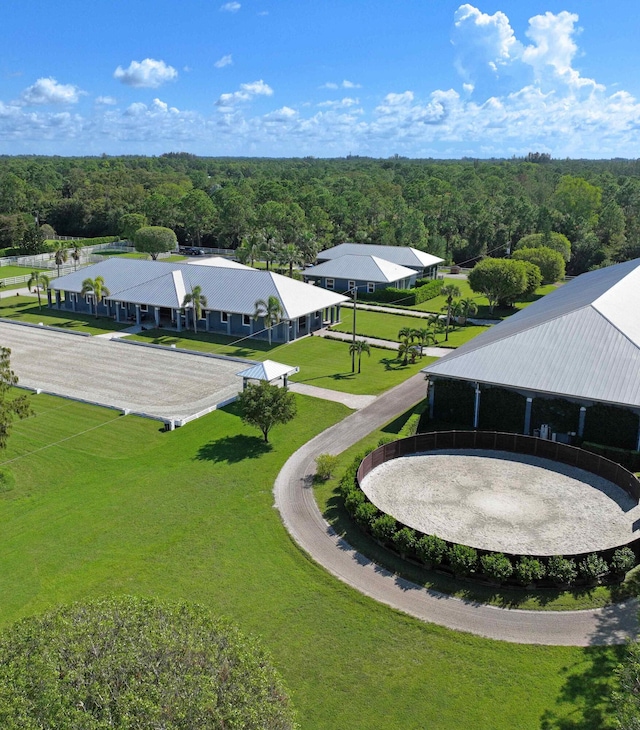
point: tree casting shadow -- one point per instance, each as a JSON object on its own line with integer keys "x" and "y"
{"x": 232, "y": 449}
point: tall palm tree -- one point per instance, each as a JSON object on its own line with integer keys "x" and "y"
{"x": 97, "y": 288}
{"x": 75, "y": 255}
{"x": 270, "y": 311}
{"x": 357, "y": 348}
{"x": 435, "y": 325}
{"x": 60, "y": 255}
{"x": 41, "y": 283}
{"x": 249, "y": 250}
{"x": 198, "y": 302}
{"x": 449, "y": 291}
{"x": 290, "y": 255}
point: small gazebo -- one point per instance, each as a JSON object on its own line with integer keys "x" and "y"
{"x": 269, "y": 370}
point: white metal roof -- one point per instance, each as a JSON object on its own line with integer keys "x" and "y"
{"x": 401, "y": 255}
{"x": 361, "y": 268}
{"x": 582, "y": 340}
{"x": 217, "y": 261}
{"x": 227, "y": 289}
{"x": 268, "y": 370}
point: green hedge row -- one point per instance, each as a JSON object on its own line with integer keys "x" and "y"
{"x": 405, "y": 297}
{"x": 464, "y": 561}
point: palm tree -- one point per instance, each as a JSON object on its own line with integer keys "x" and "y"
{"x": 271, "y": 312}
{"x": 449, "y": 291}
{"x": 435, "y": 325}
{"x": 290, "y": 255}
{"x": 425, "y": 337}
{"x": 465, "y": 308}
{"x": 97, "y": 288}
{"x": 75, "y": 255}
{"x": 41, "y": 283}
{"x": 406, "y": 350}
{"x": 60, "y": 255}
{"x": 406, "y": 336}
{"x": 357, "y": 348}
{"x": 249, "y": 250}
{"x": 198, "y": 302}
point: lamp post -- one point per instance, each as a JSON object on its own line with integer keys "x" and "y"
{"x": 353, "y": 349}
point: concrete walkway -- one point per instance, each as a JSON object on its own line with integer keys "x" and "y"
{"x": 294, "y": 498}
{"x": 348, "y": 399}
{"x": 414, "y": 313}
{"x": 375, "y": 342}
{"x": 134, "y": 330}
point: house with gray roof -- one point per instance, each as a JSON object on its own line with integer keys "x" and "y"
{"x": 578, "y": 346}
{"x": 153, "y": 292}
{"x": 424, "y": 264}
{"x": 367, "y": 274}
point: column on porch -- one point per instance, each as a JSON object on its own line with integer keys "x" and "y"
{"x": 49, "y": 297}
{"x": 118, "y": 311}
{"x": 206, "y": 321}
{"x": 581, "y": 420}
{"x": 156, "y": 316}
{"x": 58, "y": 299}
{"x": 527, "y": 417}
{"x": 178, "y": 316}
{"x": 138, "y": 317}
{"x": 476, "y": 407}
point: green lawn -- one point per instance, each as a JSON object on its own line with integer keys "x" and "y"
{"x": 135, "y": 255}
{"x": 438, "y": 303}
{"x": 25, "y": 309}
{"x": 386, "y": 326}
{"x": 6, "y": 272}
{"x": 109, "y": 504}
{"x": 322, "y": 362}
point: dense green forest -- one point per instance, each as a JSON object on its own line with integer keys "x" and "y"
{"x": 460, "y": 210}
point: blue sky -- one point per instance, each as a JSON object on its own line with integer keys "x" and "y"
{"x": 421, "y": 78}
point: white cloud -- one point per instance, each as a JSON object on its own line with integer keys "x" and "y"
{"x": 146, "y": 74}
{"x": 106, "y": 100}
{"x": 224, "y": 61}
{"x": 488, "y": 36}
{"x": 350, "y": 85}
{"x": 226, "y": 102}
{"x": 341, "y": 104}
{"x": 232, "y": 7}
{"x": 49, "y": 91}
{"x": 329, "y": 85}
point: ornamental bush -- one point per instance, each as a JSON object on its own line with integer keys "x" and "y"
{"x": 384, "y": 528}
{"x": 127, "y": 662}
{"x": 529, "y": 570}
{"x": 365, "y": 514}
{"x": 496, "y": 566}
{"x": 622, "y": 560}
{"x": 353, "y": 500}
{"x": 561, "y": 570}
{"x": 325, "y": 465}
{"x": 463, "y": 559}
{"x": 431, "y": 550}
{"x": 593, "y": 567}
{"x": 404, "y": 540}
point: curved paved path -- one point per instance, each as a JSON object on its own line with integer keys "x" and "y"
{"x": 295, "y": 500}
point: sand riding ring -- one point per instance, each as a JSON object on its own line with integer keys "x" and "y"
{"x": 501, "y": 507}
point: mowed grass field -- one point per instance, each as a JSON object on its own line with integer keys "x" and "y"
{"x": 386, "y": 326}
{"x": 108, "y": 504}
{"x": 324, "y": 363}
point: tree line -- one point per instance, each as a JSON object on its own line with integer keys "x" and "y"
{"x": 460, "y": 210}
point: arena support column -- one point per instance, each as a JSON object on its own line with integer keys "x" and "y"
{"x": 476, "y": 407}
{"x": 527, "y": 417}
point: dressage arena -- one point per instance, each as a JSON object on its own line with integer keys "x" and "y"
{"x": 504, "y": 501}
{"x": 155, "y": 382}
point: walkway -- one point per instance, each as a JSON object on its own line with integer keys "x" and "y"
{"x": 295, "y": 500}
{"x": 415, "y": 313}
{"x": 385, "y": 344}
{"x": 348, "y": 399}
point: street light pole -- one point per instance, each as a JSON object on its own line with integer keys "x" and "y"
{"x": 353, "y": 349}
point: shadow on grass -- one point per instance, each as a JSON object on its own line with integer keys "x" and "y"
{"x": 233, "y": 449}
{"x": 586, "y": 692}
{"x": 393, "y": 363}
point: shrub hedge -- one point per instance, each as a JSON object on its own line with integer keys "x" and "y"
{"x": 465, "y": 561}
{"x": 404, "y": 297}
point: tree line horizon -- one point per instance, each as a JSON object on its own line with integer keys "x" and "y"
{"x": 460, "y": 210}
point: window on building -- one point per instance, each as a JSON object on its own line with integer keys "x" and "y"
{"x": 246, "y": 320}
{"x": 329, "y": 283}
{"x": 123, "y": 305}
{"x": 144, "y": 307}
{"x": 224, "y": 317}
{"x": 371, "y": 287}
{"x": 351, "y": 284}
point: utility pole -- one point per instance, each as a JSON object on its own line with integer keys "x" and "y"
{"x": 353, "y": 349}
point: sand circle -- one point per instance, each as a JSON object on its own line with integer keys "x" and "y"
{"x": 502, "y": 501}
